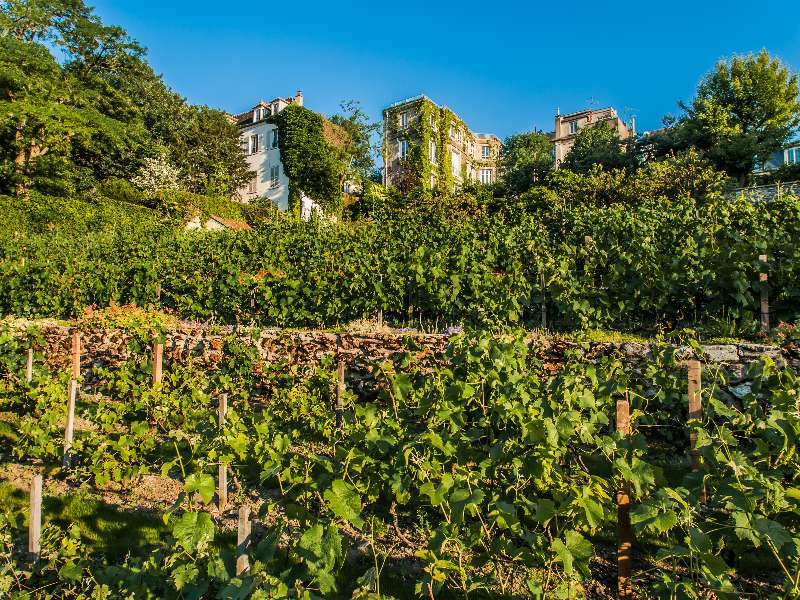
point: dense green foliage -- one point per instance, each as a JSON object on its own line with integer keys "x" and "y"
{"x": 598, "y": 145}
{"x": 656, "y": 258}
{"x": 496, "y": 475}
{"x": 524, "y": 161}
{"x": 98, "y": 111}
{"x": 310, "y": 158}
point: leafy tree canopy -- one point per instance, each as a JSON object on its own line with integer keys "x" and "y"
{"x": 100, "y": 110}
{"x": 744, "y": 110}
{"x": 597, "y": 145}
{"x": 525, "y": 159}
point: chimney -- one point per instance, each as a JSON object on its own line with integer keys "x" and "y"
{"x": 298, "y": 98}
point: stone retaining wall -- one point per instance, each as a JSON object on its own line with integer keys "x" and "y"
{"x": 359, "y": 350}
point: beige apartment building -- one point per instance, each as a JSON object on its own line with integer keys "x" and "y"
{"x": 568, "y": 126}
{"x": 429, "y": 147}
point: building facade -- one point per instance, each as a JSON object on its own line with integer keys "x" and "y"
{"x": 429, "y": 147}
{"x": 568, "y": 126}
{"x": 259, "y": 140}
{"x": 790, "y": 155}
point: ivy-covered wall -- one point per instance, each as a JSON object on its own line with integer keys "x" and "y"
{"x": 309, "y": 160}
{"x": 427, "y": 122}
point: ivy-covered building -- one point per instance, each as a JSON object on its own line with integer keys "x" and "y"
{"x": 429, "y": 147}
{"x": 260, "y": 144}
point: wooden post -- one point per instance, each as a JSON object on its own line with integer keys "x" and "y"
{"x": 69, "y": 429}
{"x": 158, "y": 361}
{"x": 695, "y": 408}
{"x": 66, "y": 460}
{"x": 624, "y": 530}
{"x": 35, "y": 518}
{"x": 763, "y": 277}
{"x": 544, "y": 303}
{"x": 222, "y": 486}
{"x": 694, "y": 384}
{"x": 223, "y": 410}
{"x": 339, "y": 396}
{"x": 29, "y": 366}
{"x": 76, "y": 355}
{"x": 242, "y": 561}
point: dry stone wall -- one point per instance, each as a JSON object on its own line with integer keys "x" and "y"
{"x": 359, "y": 350}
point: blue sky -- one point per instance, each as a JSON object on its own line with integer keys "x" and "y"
{"x": 503, "y": 66}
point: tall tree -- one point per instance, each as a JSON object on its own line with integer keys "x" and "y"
{"x": 41, "y": 114}
{"x": 744, "y": 110}
{"x": 598, "y": 145}
{"x": 357, "y": 147}
{"x": 525, "y": 159}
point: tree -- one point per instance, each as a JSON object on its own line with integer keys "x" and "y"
{"x": 598, "y": 145}
{"x": 208, "y": 153}
{"x": 744, "y": 110}
{"x": 357, "y": 148}
{"x": 525, "y": 159}
{"x": 41, "y": 113}
{"x": 99, "y": 110}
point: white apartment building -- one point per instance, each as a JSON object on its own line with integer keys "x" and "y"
{"x": 259, "y": 140}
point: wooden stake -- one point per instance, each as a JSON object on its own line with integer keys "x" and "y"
{"x": 35, "y": 519}
{"x": 222, "y": 487}
{"x": 694, "y": 385}
{"x": 76, "y": 355}
{"x": 695, "y": 408}
{"x": 544, "y": 304}
{"x": 624, "y": 530}
{"x": 158, "y": 361}
{"x": 339, "y": 395}
{"x": 242, "y": 561}
{"x": 29, "y": 366}
{"x": 66, "y": 460}
{"x": 763, "y": 277}
{"x": 223, "y": 411}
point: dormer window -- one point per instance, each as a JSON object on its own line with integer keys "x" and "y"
{"x": 573, "y": 127}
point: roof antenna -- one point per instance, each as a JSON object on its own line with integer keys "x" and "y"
{"x": 558, "y": 111}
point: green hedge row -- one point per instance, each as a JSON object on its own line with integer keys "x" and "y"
{"x": 659, "y": 263}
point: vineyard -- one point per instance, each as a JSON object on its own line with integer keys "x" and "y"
{"x": 492, "y": 475}
{"x": 654, "y": 264}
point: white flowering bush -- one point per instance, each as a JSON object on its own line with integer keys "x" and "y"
{"x": 157, "y": 173}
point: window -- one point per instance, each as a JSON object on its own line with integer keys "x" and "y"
{"x": 253, "y": 144}
{"x": 456, "y": 162}
{"x": 275, "y": 138}
{"x": 432, "y": 151}
{"x": 251, "y": 186}
{"x": 433, "y": 181}
{"x": 793, "y": 155}
{"x": 573, "y": 127}
{"x": 403, "y": 120}
{"x": 274, "y": 173}
{"x": 403, "y": 148}
{"x": 486, "y": 152}
{"x": 486, "y": 176}
{"x": 452, "y": 132}
{"x": 433, "y": 122}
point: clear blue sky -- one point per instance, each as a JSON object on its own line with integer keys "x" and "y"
{"x": 503, "y": 66}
